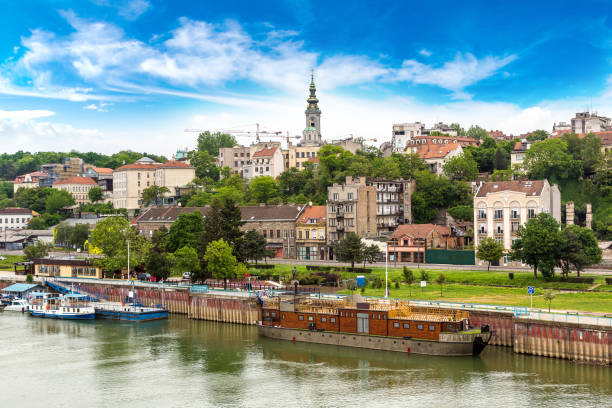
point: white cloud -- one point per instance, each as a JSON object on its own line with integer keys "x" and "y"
{"x": 424, "y": 52}
{"x": 128, "y": 9}
{"x": 100, "y": 107}
{"x": 24, "y": 115}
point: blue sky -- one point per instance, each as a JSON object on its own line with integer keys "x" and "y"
{"x": 106, "y": 75}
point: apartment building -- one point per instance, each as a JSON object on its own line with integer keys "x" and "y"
{"x": 310, "y": 229}
{"x": 173, "y": 175}
{"x": 30, "y": 180}
{"x": 15, "y": 218}
{"x": 418, "y": 143}
{"x": 102, "y": 175}
{"x": 393, "y": 204}
{"x": 296, "y": 156}
{"x": 586, "y": 122}
{"x": 265, "y": 162}
{"x": 436, "y": 155}
{"x": 155, "y": 218}
{"x": 518, "y": 154}
{"x": 235, "y": 158}
{"x": 77, "y": 186}
{"x": 351, "y": 207}
{"x": 500, "y": 208}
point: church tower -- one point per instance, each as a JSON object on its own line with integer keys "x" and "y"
{"x": 312, "y": 132}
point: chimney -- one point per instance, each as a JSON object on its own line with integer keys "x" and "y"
{"x": 589, "y": 216}
{"x": 569, "y": 213}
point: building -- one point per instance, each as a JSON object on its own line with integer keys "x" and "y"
{"x": 101, "y": 175}
{"x": 436, "y": 155}
{"x": 402, "y": 133}
{"x": 351, "y": 207}
{"x": 311, "y": 237}
{"x": 17, "y": 239}
{"x": 416, "y": 144}
{"x": 173, "y": 175}
{"x": 408, "y": 242}
{"x": 277, "y": 223}
{"x": 349, "y": 144}
{"x": 265, "y": 162}
{"x": 235, "y": 158}
{"x": 500, "y": 208}
{"x": 393, "y": 204}
{"x": 22, "y": 290}
{"x": 66, "y": 268}
{"x": 128, "y": 182}
{"x": 156, "y": 217}
{"x": 312, "y": 132}
{"x": 518, "y": 154}
{"x": 15, "y": 218}
{"x": 30, "y": 180}
{"x": 77, "y": 186}
{"x": 587, "y": 122}
{"x": 561, "y": 127}
{"x": 300, "y": 154}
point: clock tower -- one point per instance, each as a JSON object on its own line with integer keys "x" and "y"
{"x": 312, "y": 132}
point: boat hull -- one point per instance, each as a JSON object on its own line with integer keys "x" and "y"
{"x": 64, "y": 316}
{"x": 457, "y": 346}
{"x": 131, "y": 314}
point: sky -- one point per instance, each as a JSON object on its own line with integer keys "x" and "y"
{"x": 108, "y": 75}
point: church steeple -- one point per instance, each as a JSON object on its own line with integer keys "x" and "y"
{"x": 312, "y": 133}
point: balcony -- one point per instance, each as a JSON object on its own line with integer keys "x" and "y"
{"x": 340, "y": 227}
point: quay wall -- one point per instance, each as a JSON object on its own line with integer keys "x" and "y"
{"x": 219, "y": 308}
{"x": 501, "y": 323}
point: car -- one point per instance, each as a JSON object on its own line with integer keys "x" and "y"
{"x": 187, "y": 275}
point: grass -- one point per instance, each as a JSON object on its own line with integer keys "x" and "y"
{"x": 7, "y": 264}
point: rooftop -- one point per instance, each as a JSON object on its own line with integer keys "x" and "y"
{"x": 20, "y": 287}
{"x": 418, "y": 230}
{"x": 15, "y": 210}
{"x": 76, "y": 180}
{"x": 270, "y": 212}
{"x": 138, "y": 166}
{"x": 175, "y": 164}
{"x": 316, "y": 212}
{"x": 265, "y": 152}
{"x": 530, "y": 188}
{"x": 437, "y": 151}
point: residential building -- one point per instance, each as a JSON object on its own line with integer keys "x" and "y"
{"x": 518, "y": 154}
{"x": 265, "y": 162}
{"x": 77, "y": 186}
{"x": 586, "y": 122}
{"x": 66, "y": 268}
{"x": 173, "y": 175}
{"x": 351, "y": 207}
{"x": 298, "y": 155}
{"x": 15, "y": 218}
{"x": 561, "y": 127}
{"x": 277, "y": 223}
{"x": 436, "y": 155}
{"x": 235, "y": 158}
{"x": 156, "y": 217}
{"x": 393, "y": 204}
{"x": 30, "y": 180}
{"x": 102, "y": 175}
{"x": 408, "y": 242}
{"x": 404, "y": 132}
{"x": 16, "y": 239}
{"x": 415, "y": 144}
{"x": 129, "y": 180}
{"x": 349, "y": 144}
{"x": 500, "y": 208}
{"x": 311, "y": 237}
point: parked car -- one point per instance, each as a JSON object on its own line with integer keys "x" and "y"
{"x": 187, "y": 275}
{"x": 144, "y": 276}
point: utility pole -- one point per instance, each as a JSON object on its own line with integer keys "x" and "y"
{"x": 128, "y": 261}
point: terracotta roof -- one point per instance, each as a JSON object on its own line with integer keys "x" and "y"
{"x": 138, "y": 166}
{"x": 530, "y": 188}
{"x": 175, "y": 164}
{"x": 165, "y": 214}
{"x": 437, "y": 151}
{"x": 34, "y": 174}
{"x": 76, "y": 180}
{"x": 15, "y": 210}
{"x": 271, "y": 212}
{"x": 418, "y": 230}
{"x": 313, "y": 160}
{"x": 265, "y": 152}
{"x": 518, "y": 146}
{"x": 316, "y": 212}
{"x": 102, "y": 170}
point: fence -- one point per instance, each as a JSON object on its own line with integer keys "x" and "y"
{"x": 449, "y": 256}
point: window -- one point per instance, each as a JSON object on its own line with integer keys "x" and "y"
{"x": 514, "y": 213}
{"x": 335, "y": 195}
{"x": 396, "y": 325}
{"x": 432, "y": 327}
{"x": 300, "y": 234}
{"x": 332, "y": 320}
{"x": 406, "y": 325}
{"x": 515, "y": 226}
{"x": 482, "y": 214}
{"x": 283, "y": 316}
{"x": 314, "y": 234}
{"x": 300, "y": 317}
{"x": 307, "y": 234}
{"x": 278, "y": 235}
{"x": 499, "y": 229}
{"x": 499, "y": 213}
{"x": 271, "y": 234}
{"x": 267, "y": 313}
{"x": 264, "y": 234}
{"x": 310, "y": 318}
{"x": 352, "y": 314}
{"x": 350, "y": 196}
{"x": 419, "y": 326}
{"x": 324, "y": 319}
{"x": 482, "y": 228}
{"x": 531, "y": 213}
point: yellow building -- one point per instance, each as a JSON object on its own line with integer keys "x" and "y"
{"x": 77, "y": 186}
{"x": 298, "y": 155}
{"x": 66, "y": 268}
{"x": 311, "y": 233}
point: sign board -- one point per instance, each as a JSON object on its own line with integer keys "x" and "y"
{"x": 531, "y": 290}
{"x": 423, "y": 284}
{"x": 130, "y": 294}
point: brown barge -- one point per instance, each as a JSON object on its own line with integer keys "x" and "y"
{"x": 379, "y": 324}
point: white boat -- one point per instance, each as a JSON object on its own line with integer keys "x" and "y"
{"x": 18, "y": 305}
{"x": 71, "y": 307}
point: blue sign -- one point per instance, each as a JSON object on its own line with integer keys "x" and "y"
{"x": 531, "y": 290}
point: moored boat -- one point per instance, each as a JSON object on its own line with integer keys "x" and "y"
{"x": 379, "y": 324}
{"x": 130, "y": 312}
{"x": 70, "y": 307}
{"x": 17, "y": 305}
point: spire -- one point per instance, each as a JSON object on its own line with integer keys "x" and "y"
{"x": 312, "y": 100}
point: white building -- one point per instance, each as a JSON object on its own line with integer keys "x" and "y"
{"x": 265, "y": 162}
{"x": 15, "y": 218}
{"x": 586, "y": 122}
{"x": 436, "y": 155}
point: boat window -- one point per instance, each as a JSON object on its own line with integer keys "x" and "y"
{"x": 324, "y": 319}
{"x": 432, "y": 327}
{"x": 300, "y": 317}
{"x": 406, "y": 325}
{"x": 449, "y": 326}
{"x": 310, "y": 318}
{"x": 420, "y": 326}
{"x": 273, "y": 314}
{"x": 396, "y": 325}
{"x": 352, "y": 315}
{"x": 267, "y": 313}
{"x": 283, "y": 316}
{"x": 332, "y": 320}
{"x": 340, "y": 314}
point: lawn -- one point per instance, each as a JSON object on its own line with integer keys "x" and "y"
{"x": 7, "y": 264}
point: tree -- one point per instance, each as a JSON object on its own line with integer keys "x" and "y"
{"x": 549, "y": 159}
{"x": 62, "y": 234}
{"x": 186, "y": 260}
{"x": 371, "y": 254}
{"x": 263, "y": 189}
{"x": 212, "y": 142}
{"x": 462, "y": 167}
{"x": 537, "y": 135}
{"x": 160, "y": 237}
{"x": 185, "y": 231}
{"x": 409, "y": 278}
{"x": 489, "y": 250}
{"x": 78, "y": 235}
{"x": 440, "y": 281}
{"x": 57, "y": 200}
{"x": 157, "y": 263}
{"x": 253, "y": 246}
{"x": 460, "y": 131}
{"x": 579, "y": 249}
{"x": 220, "y": 262}
{"x": 476, "y": 132}
{"x": 549, "y": 295}
{"x": 501, "y": 160}
{"x": 462, "y": 212}
{"x": 223, "y": 221}
{"x": 350, "y": 249}
{"x": 111, "y": 236}
{"x": 538, "y": 244}
{"x": 37, "y": 251}
{"x": 95, "y": 194}
{"x": 151, "y": 195}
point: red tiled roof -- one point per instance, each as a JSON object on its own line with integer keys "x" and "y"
{"x": 418, "y": 230}
{"x": 174, "y": 164}
{"x": 313, "y": 160}
{"x": 102, "y": 170}
{"x": 76, "y": 180}
{"x": 530, "y": 188}
{"x": 437, "y": 151}
{"x": 265, "y": 152}
{"x": 316, "y": 212}
{"x": 518, "y": 146}
{"x": 139, "y": 166}
{"x": 15, "y": 210}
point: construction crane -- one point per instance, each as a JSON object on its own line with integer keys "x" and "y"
{"x": 247, "y": 133}
{"x": 364, "y": 139}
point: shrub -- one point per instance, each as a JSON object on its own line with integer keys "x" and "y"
{"x": 608, "y": 281}
{"x": 510, "y": 275}
{"x": 424, "y": 275}
{"x": 576, "y": 279}
{"x": 397, "y": 286}
{"x": 29, "y": 278}
{"x": 377, "y": 283}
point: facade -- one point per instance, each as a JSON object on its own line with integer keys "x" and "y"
{"x": 156, "y": 217}
{"x": 416, "y": 144}
{"x": 500, "y": 208}
{"x": 435, "y": 155}
{"x": 235, "y": 158}
{"x": 298, "y": 155}
{"x": 349, "y": 144}
{"x": 30, "y": 180}
{"x": 517, "y": 156}
{"x": 393, "y": 204}
{"x": 128, "y": 182}
{"x": 408, "y": 242}
{"x": 276, "y": 223}
{"x": 15, "y": 218}
{"x": 173, "y": 175}
{"x": 102, "y": 175}
{"x": 351, "y": 207}
{"x": 310, "y": 233}
{"x": 66, "y": 268}
{"x": 403, "y": 133}
{"x": 77, "y": 186}
{"x": 265, "y": 162}
{"x": 586, "y": 122}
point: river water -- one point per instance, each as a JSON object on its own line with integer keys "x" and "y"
{"x": 189, "y": 363}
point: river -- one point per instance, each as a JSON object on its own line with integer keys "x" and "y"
{"x": 189, "y": 363}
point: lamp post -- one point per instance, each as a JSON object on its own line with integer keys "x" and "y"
{"x": 386, "y": 270}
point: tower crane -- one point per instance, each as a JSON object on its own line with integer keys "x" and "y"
{"x": 247, "y": 133}
{"x": 364, "y": 139}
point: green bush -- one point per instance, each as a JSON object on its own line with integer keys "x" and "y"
{"x": 511, "y": 275}
{"x": 424, "y": 275}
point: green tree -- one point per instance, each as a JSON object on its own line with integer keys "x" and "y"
{"x": 223, "y": 221}
{"x": 549, "y": 296}
{"x": 539, "y": 244}
{"x": 462, "y": 167}
{"x": 537, "y": 135}
{"x": 579, "y": 249}
{"x": 371, "y": 253}
{"x": 63, "y": 232}
{"x": 253, "y": 246}
{"x": 350, "y": 249}
{"x": 549, "y": 159}
{"x": 186, "y": 260}
{"x": 160, "y": 237}
{"x": 501, "y": 159}
{"x": 78, "y": 235}
{"x": 157, "y": 263}
{"x": 220, "y": 262}
{"x": 440, "y": 281}
{"x": 152, "y": 195}
{"x": 489, "y": 250}
{"x": 502, "y": 175}
{"x": 111, "y": 236}
{"x": 57, "y": 200}
{"x": 462, "y": 212}
{"x": 263, "y": 189}
{"x": 205, "y": 165}
{"x": 95, "y": 194}
{"x": 409, "y": 278}
{"x": 185, "y": 231}
{"x": 212, "y": 142}
{"x": 33, "y": 198}
{"x": 460, "y": 131}
{"x": 476, "y": 132}
{"x": 36, "y": 251}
